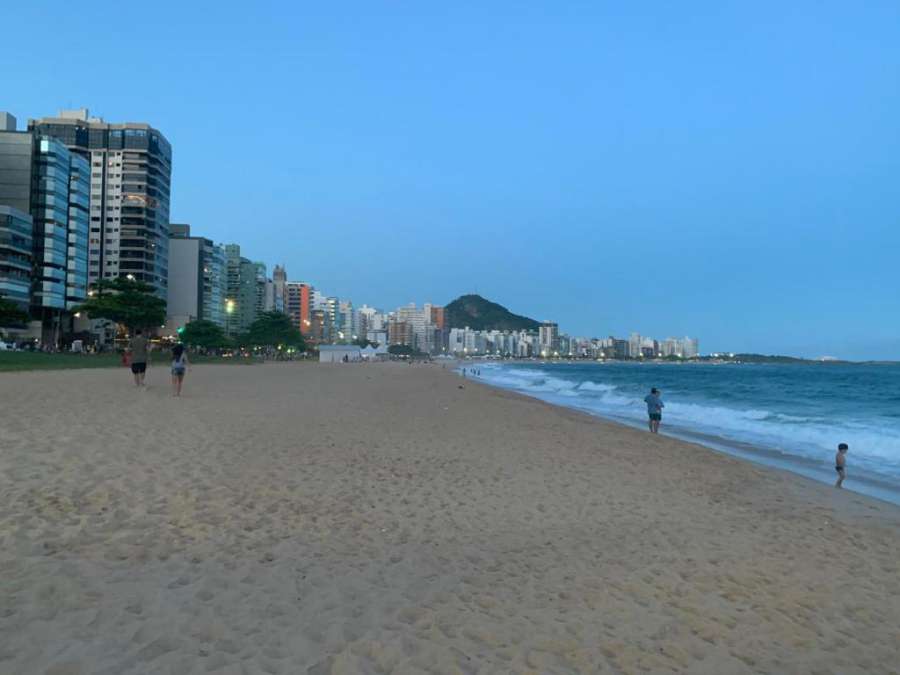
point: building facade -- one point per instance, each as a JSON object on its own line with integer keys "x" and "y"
{"x": 196, "y": 286}
{"x": 260, "y": 288}
{"x": 77, "y": 262}
{"x": 279, "y": 289}
{"x": 130, "y": 172}
{"x": 548, "y": 335}
{"x": 40, "y": 177}
{"x": 241, "y": 291}
{"x": 16, "y": 243}
{"x": 298, "y": 304}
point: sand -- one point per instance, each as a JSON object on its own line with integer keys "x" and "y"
{"x": 304, "y": 518}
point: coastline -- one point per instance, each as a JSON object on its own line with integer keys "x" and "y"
{"x": 343, "y": 518}
{"x": 862, "y": 481}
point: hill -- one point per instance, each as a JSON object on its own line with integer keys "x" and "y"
{"x": 480, "y": 314}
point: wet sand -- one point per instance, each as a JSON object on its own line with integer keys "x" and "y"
{"x": 300, "y": 518}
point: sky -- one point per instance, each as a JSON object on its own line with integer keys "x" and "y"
{"x": 725, "y": 170}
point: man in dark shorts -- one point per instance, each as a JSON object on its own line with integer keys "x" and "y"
{"x": 138, "y": 349}
{"x": 654, "y": 409}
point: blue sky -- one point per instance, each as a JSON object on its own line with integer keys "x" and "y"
{"x": 726, "y": 170}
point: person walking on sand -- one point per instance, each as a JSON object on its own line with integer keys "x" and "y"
{"x": 138, "y": 348}
{"x": 654, "y": 409}
{"x": 840, "y": 463}
{"x": 179, "y": 366}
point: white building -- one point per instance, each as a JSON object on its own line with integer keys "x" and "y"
{"x": 690, "y": 347}
{"x": 318, "y": 300}
{"x": 548, "y": 336}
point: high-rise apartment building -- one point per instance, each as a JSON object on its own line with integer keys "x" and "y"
{"x": 400, "y": 333}
{"x": 40, "y": 177}
{"x": 241, "y": 291}
{"x": 690, "y": 348}
{"x": 335, "y": 320}
{"x": 548, "y": 338}
{"x": 50, "y": 211}
{"x": 77, "y": 262}
{"x": 319, "y": 329}
{"x": 279, "y": 288}
{"x": 298, "y": 304}
{"x": 197, "y": 279}
{"x": 347, "y": 323}
{"x": 634, "y": 345}
{"x": 260, "y": 287}
{"x": 130, "y": 172}
{"x": 418, "y": 321}
{"x": 16, "y": 240}
{"x": 438, "y": 316}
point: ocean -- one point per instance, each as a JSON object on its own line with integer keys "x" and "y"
{"x": 791, "y": 416}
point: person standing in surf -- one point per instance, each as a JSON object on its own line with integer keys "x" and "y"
{"x": 840, "y": 464}
{"x": 654, "y": 409}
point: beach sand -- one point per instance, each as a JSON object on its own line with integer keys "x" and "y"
{"x": 304, "y": 518}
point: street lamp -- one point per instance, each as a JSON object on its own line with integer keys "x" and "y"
{"x": 229, "y": 306}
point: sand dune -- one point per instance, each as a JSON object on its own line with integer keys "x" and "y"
{"x": 379, "y": 519}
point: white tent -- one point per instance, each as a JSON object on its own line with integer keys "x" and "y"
{"x": 370, "y": 353}
{"x": 339, "y": 353}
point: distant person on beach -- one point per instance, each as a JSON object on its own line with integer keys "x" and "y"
{"x": 654, "y": 409}
{"x": 138, "y": 349}
{"x": 840, "y": 463}
{"x": 179, "y": 366}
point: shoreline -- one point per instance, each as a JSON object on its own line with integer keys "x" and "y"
{"x": 860, "y": 481}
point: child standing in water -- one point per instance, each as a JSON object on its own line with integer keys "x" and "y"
{"x": 179, "y": 366}
{"x": 840, "y": 461}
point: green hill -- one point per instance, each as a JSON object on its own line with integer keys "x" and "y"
{"x": 480, "y": 314}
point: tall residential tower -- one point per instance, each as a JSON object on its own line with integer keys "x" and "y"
{"x": 130, "y": 174}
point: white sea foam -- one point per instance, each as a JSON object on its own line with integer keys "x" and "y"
{"x": 874, "y": 447}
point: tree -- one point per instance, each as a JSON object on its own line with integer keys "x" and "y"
{"x": 126, "y": 301}
{"x": 11, "y": 314}
{"x": 274, "y": 329}
{"x": 401, "y": 350}
{"x": 203, "y": 333}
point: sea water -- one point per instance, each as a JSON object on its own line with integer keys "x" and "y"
{"x": 789, "y": 415}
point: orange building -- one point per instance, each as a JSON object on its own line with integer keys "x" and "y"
{"x": 297, "y": 304}
{"x": 437, "y": 317}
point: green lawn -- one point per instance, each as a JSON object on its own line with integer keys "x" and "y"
{"x": 12, "y": 361}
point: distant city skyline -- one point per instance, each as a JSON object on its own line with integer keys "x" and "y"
{"x": 727, "y": 173}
